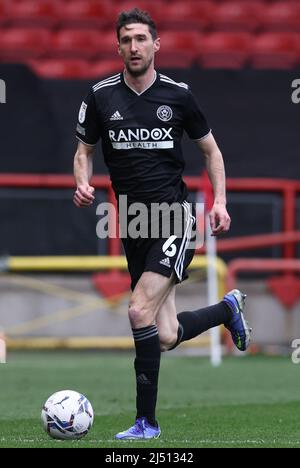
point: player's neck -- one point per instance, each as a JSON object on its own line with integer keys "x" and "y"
{"x": 140, "y": 83}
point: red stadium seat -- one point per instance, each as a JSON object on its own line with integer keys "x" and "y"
{"x": 66, "y": 69}
{"x": 237, "y": 16}
{"x": 275, "y": 51}
{"x": 33, "y": 13}
{"x": 3, "y": 13}
{"x": 282, "y": 16}
{"x": 225, "y": 50}
{"x": 21, "y": 44}
{"x": 85, "y": 13}
{"x": 107, "y": 47}
{"x": 187, "y": 15}
{"x": 75, "y": 43}
{"x": 173, "y": 61}
{"x": 178, "y": 48}
{"x": 104, "y": 68}
{"x": 153, "y": 7}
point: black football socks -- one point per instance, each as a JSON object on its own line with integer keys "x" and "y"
{"x": 146, "y": 366}
{"x": 192, "y": 324}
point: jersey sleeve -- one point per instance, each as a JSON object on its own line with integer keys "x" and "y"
{"x": 88, "y": 125}
{"x": 195, "y": 123}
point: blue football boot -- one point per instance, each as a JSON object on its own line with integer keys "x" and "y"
{"x": 238, "y": 327}
{"x": 140, "y": 430}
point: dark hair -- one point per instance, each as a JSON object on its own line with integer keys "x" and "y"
{"x": 136, "y": 16}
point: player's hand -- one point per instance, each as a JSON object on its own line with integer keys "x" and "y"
{"x": 219, "y": 219}
{"x": 84, "y": 196}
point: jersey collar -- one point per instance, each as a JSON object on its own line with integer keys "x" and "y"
{"x": 146, "y": 89}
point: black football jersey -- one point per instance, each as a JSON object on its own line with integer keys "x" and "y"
{"x": 141, "y": 135}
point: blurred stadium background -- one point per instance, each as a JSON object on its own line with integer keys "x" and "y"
{"x": 60, "y": 286}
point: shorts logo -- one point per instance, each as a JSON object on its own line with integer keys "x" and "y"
{"x": 169, "y": 248}
{"x": 164, "y": 113}
{"x": 82, "y": 111}
{"x": 166, "y": 262}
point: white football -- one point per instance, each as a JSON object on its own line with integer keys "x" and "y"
{"x": 67, "y": 415}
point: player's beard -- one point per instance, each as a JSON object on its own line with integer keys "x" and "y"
{"x": 141, "y": 71}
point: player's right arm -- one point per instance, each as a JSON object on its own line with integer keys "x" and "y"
{"x": 83, "y": 170}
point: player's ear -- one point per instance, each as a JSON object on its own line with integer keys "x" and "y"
{"x": 157, "y": 44}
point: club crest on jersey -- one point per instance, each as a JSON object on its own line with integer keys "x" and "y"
{"x": 164, "y": 113}
{"x": 82, "y": 111}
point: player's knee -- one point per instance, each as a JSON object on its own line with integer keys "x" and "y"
{"x": 139, "y": 316}
{"x": 167, "y": 340}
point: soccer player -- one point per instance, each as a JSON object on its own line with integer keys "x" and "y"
{"x": 140, "y": 116}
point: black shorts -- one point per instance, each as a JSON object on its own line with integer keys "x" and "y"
{"x": 166, "y": 252}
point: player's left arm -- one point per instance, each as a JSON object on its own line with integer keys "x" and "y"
{"x": 219, "y": 217}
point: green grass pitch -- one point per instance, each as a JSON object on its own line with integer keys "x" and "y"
{"x": 247, "y": 402}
